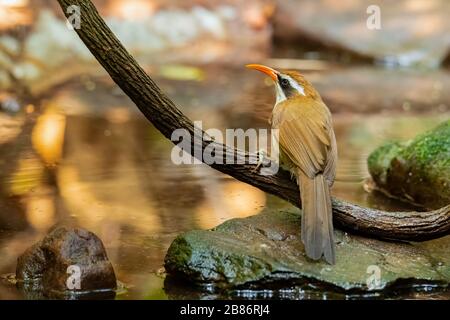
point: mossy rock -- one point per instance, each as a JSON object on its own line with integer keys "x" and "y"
{"x": 417, "y": 171}
{"x": 266, "y": 248}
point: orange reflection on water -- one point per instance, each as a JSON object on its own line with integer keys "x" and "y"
{"x": 40, "y": 211}
{"x": 242, "y": 199}
{"x": 109, "y": 204}
{"x": 48, "y": 136}
{"x": 28, "y": 175}
{"x": 233, "y": 199}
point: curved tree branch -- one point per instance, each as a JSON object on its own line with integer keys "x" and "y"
{"x": 166, "y": 117}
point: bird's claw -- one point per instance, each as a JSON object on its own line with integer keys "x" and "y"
{"x": 261, "y": 157}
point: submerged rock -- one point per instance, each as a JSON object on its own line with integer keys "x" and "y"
{"x": 418, "y": 170}
{"x": 66, "y": 261}
{"x": 266, "y": 248}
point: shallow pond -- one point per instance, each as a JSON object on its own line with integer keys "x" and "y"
{"x": 86, "y": 157}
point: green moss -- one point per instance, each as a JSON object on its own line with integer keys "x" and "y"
{"x": 431, "y": 148}
{"x": 180, "y": 252}
{"x": 418, "y": 170}
{"x": 380, "y": 159}
{"x": 221, "y": 258}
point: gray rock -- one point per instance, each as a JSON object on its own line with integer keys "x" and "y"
{"x": 267, "y": 248}
{"x": 44, "y": 267}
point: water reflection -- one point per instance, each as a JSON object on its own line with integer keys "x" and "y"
{"x": 48, "y": 135}
{"x": 89, "y": 159}
{"x": 224, "y": 199}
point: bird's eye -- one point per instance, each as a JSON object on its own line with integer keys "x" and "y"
{"x": 284, "y": 83}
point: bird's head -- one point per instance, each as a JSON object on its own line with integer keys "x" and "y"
{"x": 288, "y": 83}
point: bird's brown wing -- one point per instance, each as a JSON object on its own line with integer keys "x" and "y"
{"x": 330, "y": 169}
{"x": 306, "y": 137}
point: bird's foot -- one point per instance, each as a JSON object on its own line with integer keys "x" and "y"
{"x": 263, "y": 159}
{"x": 260, "y": 154}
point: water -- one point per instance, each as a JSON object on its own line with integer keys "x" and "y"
{"x": 91, "y": 160}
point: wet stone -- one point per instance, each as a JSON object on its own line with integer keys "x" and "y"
{"x": 68, "y": 261}
{"x": 244, "y": 253}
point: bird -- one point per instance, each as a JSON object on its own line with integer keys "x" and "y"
{"x": 308, "y": 149}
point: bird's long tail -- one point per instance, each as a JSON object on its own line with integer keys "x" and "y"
{"x": 317, "y": 222}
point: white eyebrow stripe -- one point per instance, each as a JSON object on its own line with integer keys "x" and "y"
{"x": 295, "y": 85}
